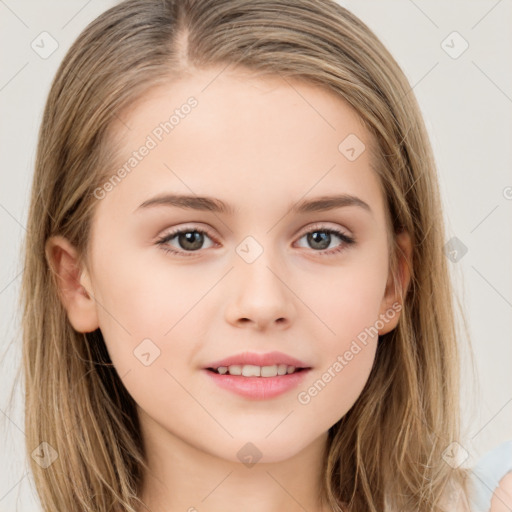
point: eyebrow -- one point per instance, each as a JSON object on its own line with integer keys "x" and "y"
{"x": 211, "y": 204}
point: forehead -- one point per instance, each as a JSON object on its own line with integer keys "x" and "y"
{"x": 252, "y": 138}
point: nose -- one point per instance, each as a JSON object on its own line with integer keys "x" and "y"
{"x": 260, "y": 296}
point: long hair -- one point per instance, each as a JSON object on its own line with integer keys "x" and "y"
{"x": 386, "y": 453}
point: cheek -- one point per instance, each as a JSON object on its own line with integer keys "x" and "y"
{"x": 348, "y": 357}
{"x": 151, "y": 315}
{"x": 140, "y": 312}
{"x": 346, "y": 299}
{"x": 142, "y": 317}
{"x": 347, "y": 305}
{"x": 147, "y": 299}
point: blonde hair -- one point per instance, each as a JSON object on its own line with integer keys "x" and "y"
{"x": 387, "y": 450}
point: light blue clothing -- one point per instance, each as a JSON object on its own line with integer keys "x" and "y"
{"x": 487, "y": 473}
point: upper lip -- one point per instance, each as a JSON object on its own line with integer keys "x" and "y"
{"x": 254, "y": 358}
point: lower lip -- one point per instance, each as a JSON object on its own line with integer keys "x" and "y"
{"x": 258, "y": 388}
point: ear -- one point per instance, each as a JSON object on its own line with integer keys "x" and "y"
{"x": 398, "y": 284}
{"x": 74, "y": 284}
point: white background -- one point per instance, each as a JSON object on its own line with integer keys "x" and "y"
{"x": 467, "y": 105}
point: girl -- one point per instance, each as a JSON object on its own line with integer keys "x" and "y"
{"x": 235, "y": 291}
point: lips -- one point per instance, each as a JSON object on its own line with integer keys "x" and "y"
{"x": 258, "y": 359}
{"x": 257, "y": 388}
{"x": 246, "y": 380}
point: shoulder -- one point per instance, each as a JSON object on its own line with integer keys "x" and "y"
{"x": 491, "y": 480}
{"x": 502, "y": 495}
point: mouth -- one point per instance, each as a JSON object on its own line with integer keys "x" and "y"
{"x": 263, "y": 372}
{"x": 255, "y": 382}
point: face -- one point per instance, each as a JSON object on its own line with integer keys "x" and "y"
{"x": 176, "y": 287}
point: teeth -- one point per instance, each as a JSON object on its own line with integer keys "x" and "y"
{"x": 281, "y": 369}
{"x": 249, "y": 370}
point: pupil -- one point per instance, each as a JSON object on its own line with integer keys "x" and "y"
{"x": 190, "y": 241}
{"x": 320, "y": 237}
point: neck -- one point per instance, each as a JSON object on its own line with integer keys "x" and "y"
{"x": 183, "y": 477}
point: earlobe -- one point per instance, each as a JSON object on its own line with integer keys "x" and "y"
{"x": 396, "y": 287}
{"x": 73, "y": 284}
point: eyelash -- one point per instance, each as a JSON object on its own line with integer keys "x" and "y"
{"x": 162, "y": 242}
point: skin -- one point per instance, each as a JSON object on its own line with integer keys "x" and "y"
{"x": 502, "y": 495}
{"x": 259, "y": 144}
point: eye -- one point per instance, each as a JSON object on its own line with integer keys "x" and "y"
{"x": 189, "y": 240}
{"x": 320, "y": 237}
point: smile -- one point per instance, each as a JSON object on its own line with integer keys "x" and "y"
{"x": 250, "y": 370}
